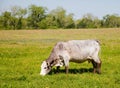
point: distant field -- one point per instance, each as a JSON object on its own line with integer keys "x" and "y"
{"x": 22, "y": 52}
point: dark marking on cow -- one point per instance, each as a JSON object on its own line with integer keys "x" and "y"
{"x": 61, "y": 46}
{"x": 52, "y": 63}
{"x": 48, "y": 65}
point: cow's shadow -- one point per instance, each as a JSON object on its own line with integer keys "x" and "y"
{"x": 72, "y": 71}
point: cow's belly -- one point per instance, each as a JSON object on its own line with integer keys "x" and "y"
{"x": 78, "y": 60}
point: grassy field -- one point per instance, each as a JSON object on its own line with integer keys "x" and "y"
{"x": 22, "y": 52}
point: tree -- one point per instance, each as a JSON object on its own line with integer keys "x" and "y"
{"x": 69, "y": 22}
{"x": 77, "y": 23}
{"x": 97, "y": 23}
{"x": 60, "y": 19}
{"x": 111, "y": 21}
{"x": 36, "y": 14}
{"x": 17, "y": 17}
{"x": 59, "y": 16}
{"x": 36, "y": 17}
{"x": 1, "y": 22}
{"x": 6, "y": 20}
{"x": 49, "y": 22}
{"x": 88, "y": 21}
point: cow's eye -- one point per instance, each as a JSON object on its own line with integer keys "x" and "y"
{"x": 45, "y": 67}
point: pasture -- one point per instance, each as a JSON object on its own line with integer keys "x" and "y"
{"x": 22, "y": 52}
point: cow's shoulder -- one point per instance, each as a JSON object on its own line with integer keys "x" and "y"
{"x": 60, "y": 45}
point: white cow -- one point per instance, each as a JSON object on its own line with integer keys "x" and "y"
{"x": 74, "y": 51}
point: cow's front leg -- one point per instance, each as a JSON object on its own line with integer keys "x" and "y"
{"x": 66, "y": 59}
{"x": 66, "y": 65}
{"x": 66, "y": 69}
{"x": 58, "y": 68}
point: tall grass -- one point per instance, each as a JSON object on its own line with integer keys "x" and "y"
{"x": 22, "y": 52}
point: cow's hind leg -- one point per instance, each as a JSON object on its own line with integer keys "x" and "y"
{"x": 67, "y": 66}
{"x": 99, "y": 67}
{"x": 66, "y": 69}
{"x": 96, "y": 67}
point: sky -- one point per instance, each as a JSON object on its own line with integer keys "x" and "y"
{"x": 98, "y": 8}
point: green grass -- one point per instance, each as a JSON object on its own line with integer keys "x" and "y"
{"x": 22, "y": 52}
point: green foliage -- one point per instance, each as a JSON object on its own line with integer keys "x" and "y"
{"x": 13, "y": 19}
{"x": 22, "y": 53}
{"x": 36, "y": 14}
{"x": 59, "y": 15}
{"x": 111, "y": 21}
{"x": 57, "y": 19}
{"x": 37, "y": 17}
{"x": 88, "y": 21}
{"x": 6, "y": 20}
{"x": 69, "y": 22}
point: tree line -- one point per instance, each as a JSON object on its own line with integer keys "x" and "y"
{"x": 37, "y": 17}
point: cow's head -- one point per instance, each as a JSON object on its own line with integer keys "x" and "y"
{"x": 45, "y": 68}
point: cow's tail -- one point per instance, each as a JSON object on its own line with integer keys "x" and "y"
{"x": 98, "y": 42}
{"x": 99, "y": 47}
